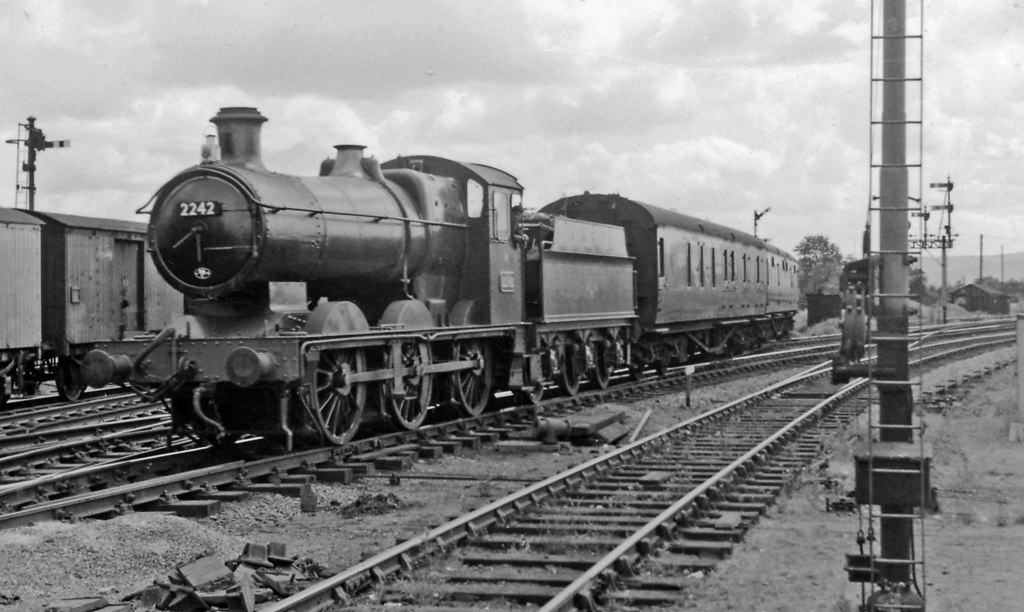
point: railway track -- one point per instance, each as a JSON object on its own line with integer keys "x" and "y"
{"x": 39, "y": 424}
{"x": 621, "y": 529}
{"x": 43, "y": 472}
{"x": 110, "y": 481}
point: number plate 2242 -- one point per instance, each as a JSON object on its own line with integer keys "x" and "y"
{"x": 207, "y": 208}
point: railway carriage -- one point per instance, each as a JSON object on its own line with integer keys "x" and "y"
{"x": 701, "y": 287}
{"x": 381, "y": 292}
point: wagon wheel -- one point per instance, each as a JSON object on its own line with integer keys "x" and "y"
{"x": 409, "y": 407}
{"x": 572, "y": 364}
{"x": 337, "y": 403}
{"x": 601, "y": 373}
{"x": 472, "y": 387}
{"x": 69, "y": 379}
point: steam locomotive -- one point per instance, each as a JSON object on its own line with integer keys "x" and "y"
{"x": 383, "y": 291}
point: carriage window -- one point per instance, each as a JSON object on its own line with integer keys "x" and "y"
{"x": 500, "y": 215}
{"x": 744, "y": 264}
{"x": 758, "y": 266}
{"x": 732, "y": 264}
{"x": 474, "y": 199}
{"x": 661, "y": 257}
{"x": 713, "y": 274}
{"x": 689, "y": 265}
{"x": 701, "y": 263}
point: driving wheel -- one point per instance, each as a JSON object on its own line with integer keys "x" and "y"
{"x": 337, "y": 403}
{"x": 408, "y": 407}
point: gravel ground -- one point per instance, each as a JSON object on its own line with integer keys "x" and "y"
{"x": 794, "y": 561}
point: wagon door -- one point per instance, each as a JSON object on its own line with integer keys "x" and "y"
{"x": 127, "y": 285}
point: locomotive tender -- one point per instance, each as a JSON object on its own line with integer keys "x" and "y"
{"x": 377, "y": 291}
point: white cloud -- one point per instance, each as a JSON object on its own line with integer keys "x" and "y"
{"x": 802, "y": 18}
{"x": 720, "y": 107}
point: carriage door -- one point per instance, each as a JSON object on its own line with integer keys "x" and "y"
{"x": 127, "y": 284}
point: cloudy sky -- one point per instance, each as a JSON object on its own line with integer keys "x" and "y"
{"x": 713, "y": 108}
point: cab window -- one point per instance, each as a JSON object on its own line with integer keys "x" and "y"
{"x": 474, "y": 199}
{"x": 661, "y": 257}
{"x": 501, "y": 226}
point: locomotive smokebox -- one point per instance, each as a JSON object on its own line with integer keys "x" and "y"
{"x": 238, "y": 130}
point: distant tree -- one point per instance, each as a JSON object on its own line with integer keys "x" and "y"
{"x": 990, "y": 282}
{"x": 919, "y": 287}
{"x": 1014, "y": 286}
{"x": 820, "y": 265}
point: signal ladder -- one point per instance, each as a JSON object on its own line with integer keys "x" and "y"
{"x": 21, "y": 168}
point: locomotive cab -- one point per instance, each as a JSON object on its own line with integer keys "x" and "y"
{"x": 491, "y": 290}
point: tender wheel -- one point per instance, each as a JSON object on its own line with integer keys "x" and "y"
{"x": 572, "y": 363}
{"x": 472, "y": 387}
{"x": 69, "y": 379}
{"x": 601, "y": 373}
{"x": 408, "y": 408}
{"x": 337, "y": 404}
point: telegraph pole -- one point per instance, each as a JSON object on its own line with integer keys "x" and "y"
{"x": 35, "y": 142}
{"x": 981, "y": 257}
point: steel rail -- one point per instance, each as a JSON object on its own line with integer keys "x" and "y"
{"x": 60, "y": 411}
{"x": 184, "y": 482}
{"x": 44, "y": 441}
{"x": 94, "y": 468}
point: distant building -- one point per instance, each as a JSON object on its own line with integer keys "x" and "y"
{"x": 981, "y": 298}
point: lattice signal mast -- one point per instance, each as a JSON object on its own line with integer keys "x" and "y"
{"x": 34, "y": 142}
{"x": 944, "y": 239}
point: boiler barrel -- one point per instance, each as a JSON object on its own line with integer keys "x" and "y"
{"x": 216, "y": 230}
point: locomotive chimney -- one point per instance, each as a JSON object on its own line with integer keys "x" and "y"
{"x": 238, "y": 130}
{"x": 349, "y": 161}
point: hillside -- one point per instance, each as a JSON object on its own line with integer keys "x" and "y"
{"x": 966, "y": 267}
